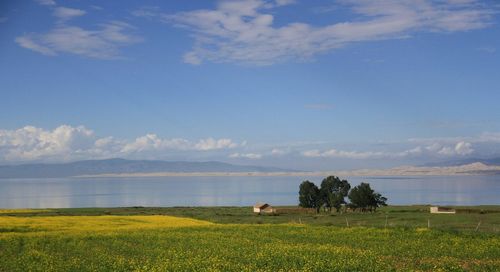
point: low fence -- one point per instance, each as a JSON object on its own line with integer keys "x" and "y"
{"x": 294, "y": 210}
{"x": 479, "y": 211}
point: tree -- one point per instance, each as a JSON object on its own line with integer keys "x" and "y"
{"x": 333, "y": 192}
{"x": 379, "y": 201}
{"x": 365, "y": 198}
{"x": 309, "y": 196}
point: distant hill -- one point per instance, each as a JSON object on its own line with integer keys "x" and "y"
{"x": 97, "y": 167}
{"x": 490, "y": 161}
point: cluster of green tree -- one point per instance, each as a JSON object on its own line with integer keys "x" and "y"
{"x": 332, "y": 193}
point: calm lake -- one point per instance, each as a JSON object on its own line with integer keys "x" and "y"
{"x": 232, "y": 191}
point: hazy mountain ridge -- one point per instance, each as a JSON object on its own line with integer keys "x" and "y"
{"x": 489, "y": 161}
{"x": 123, "y": 166}
{"x": 468, "y": 169}
{"x": 477, "y": 168}
{"x": 152, "y": 168}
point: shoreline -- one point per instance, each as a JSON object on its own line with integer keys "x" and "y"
{"x": 292, "y": 174}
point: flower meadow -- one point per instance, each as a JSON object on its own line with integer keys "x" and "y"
{"x": 166, "y": 243}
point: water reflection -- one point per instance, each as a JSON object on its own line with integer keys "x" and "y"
{"x": 232, "y": 191}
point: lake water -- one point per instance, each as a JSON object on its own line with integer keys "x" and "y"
{"x": 232, "y": 191}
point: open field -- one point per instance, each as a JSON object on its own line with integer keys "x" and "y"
{"x": 233, "y": 239}
{"x": 418, "y": 216}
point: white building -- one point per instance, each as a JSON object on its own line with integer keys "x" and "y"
{"x": 260, "y": 207}
{"x": 437, "y": 209}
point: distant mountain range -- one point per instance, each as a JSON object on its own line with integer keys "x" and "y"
{"x": 123, "y": 166}
{"x": 156, "y": 168}
{"x": 476, "y": 168}
{"x": 490, "y": 161}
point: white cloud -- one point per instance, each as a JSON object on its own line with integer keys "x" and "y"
{"x": 435, "y": 147}
{"x": 493, "y": 137}
{"x": 485, "y": 137}
{"x": 460, "y": 149}
{"x": 146, "y": 12}
{"x": 312, "y": 153}
{"x": 192, "y": 58}
{"x": 278, "y": 152}
{"x": 106, "y": 148}
{"x": 438, "y": 149}
{"x": 64, "y": 13}
{"x": 333, "y": 153}
{"x": 433, "y": 150}
{"x": 446, "y": 151}
{"x": 411, "y": 152}
{"x": 151, "y": 142}
{"x": 244, "y": 31}
{"x": 68, "y": 143}
{"x": 285, "y": 2}
{"x": 29, "y": 143}
{"x": 46, "y": 2}
{"x": 26, "y": 41}
{"x": 102, "y": 43}
{"x": 211, "y": 144}
{"x": 252, "y": 156}
{"x": 325, "y": 9}
{"x": 463, "y": 148}
{"x": 103, "y": 142}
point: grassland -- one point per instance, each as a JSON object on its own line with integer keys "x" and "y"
{"x": 468, "y": 218}
{"x": 233, "y": 239}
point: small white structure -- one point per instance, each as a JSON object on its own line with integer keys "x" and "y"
{"x": 260, "y": 207}
{"x": 436, "y": 209}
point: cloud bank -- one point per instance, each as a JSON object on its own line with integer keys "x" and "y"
{"x": 103, "y": 42}
{"x": 70, "y": 143}
{"x": 436, "y": 149}
{"x": 245, "y": 31}
{"x": 66, "y": 143}
{"x": 64, "y": 13}
{"x": 252, "y": 156}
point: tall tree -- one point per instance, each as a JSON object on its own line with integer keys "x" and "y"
{"x": 309, "y": 195}
{"x": 333, "y": 192}
{"x": 365, "y": 198}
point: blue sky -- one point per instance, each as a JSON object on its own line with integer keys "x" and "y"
{"x": 298, "y": 84}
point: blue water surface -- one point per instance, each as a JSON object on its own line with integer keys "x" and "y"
{"x": 232, "y": 191}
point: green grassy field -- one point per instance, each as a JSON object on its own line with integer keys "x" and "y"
{"x": 468, "y": 218}
{"x": 234, "y": 239}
